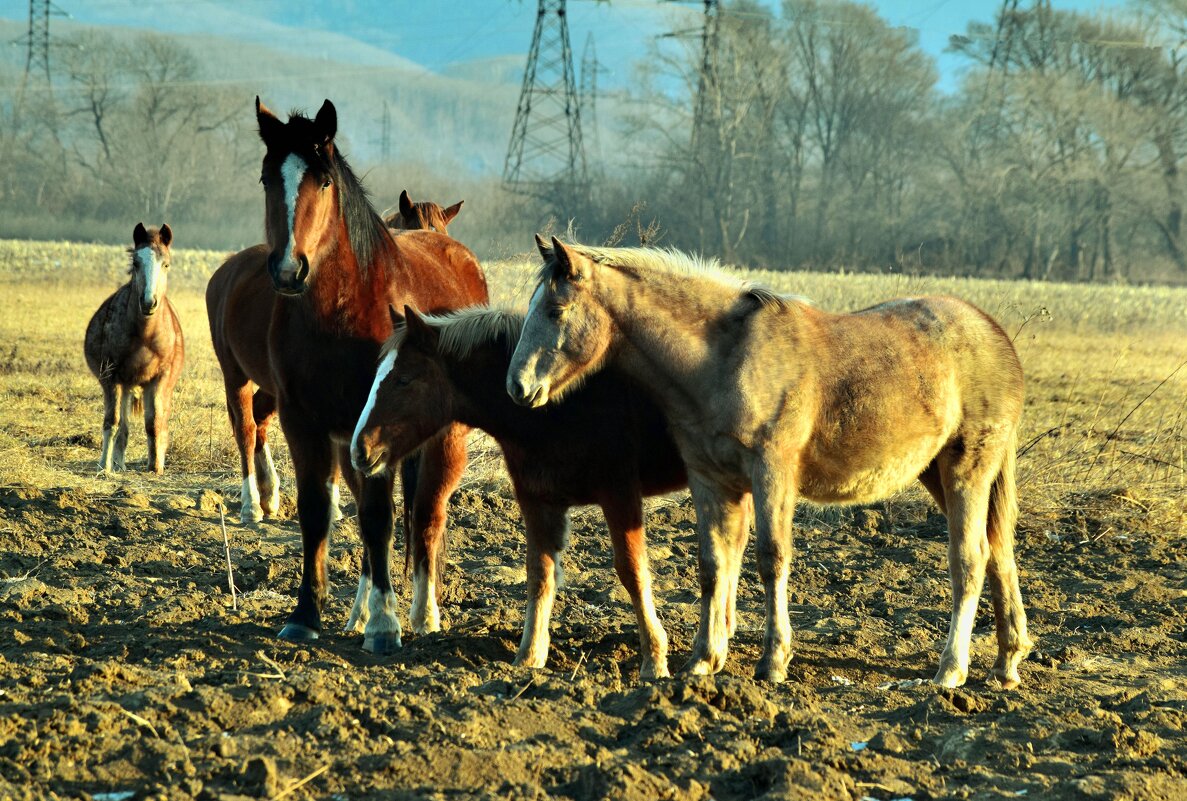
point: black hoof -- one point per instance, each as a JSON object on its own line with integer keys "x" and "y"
{"x": 381, "y": 644}
{"x": 297, "y": 633}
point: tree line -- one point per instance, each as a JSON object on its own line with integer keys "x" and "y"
{"x": 817, "y": 136}
{"x": 823, "y": 141}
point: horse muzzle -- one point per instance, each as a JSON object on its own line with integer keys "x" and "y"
{"x": 526, "y": 395}
{"x": 289, "y": 277}
{"x": 370, "y": 460}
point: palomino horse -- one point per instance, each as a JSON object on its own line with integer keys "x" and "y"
{"x": 767, "y": 393}
{"x": 134, "y": 342}
{"x": 337, "y": 268}
{"x": 239, "y": 299}
{"x": 424, "y": 215}
{"x": 606, "y": 443}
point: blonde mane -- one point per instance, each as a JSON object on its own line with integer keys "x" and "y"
{"x": 639, "y": 262}
{"x": 463, "y": 330}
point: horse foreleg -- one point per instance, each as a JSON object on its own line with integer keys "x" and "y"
{"x": 1013, "y": 642}
{"x": 547, "y": 529}
{"x": 263, "y": 412}
{"x": 774, "y": 507}
{"x": 968, "y": 554}
{"x": 718, "y": 512}
{"x": 381, "y": 632}
{"x": 112, "y": 415}
{"x": 442, "y": 460}
{"x": 624, "y": 517}
{"x": 311, "y": 464}
{"x": 356, "y": 623}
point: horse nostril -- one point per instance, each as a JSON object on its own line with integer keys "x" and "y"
{"x": 302, "y": 268}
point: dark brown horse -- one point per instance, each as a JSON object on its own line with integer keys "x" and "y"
{"x": 606, "y": 443}
{"x": 134, "y": 343}
{"x": 337, "y": 268}
{"x": 424, "y": 215}
{"x": 239, "y": 300}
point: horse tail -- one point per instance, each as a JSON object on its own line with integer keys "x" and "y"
{"x": 409, "y": 474}
{"x": 137, "y": 402}
{"x": 1003, "y": 498}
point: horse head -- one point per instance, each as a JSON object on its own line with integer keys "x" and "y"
{"x": 150, "y": 265}
{"x": 301, "y": 206}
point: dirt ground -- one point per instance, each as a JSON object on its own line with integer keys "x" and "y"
{"x": 126, "y": 674}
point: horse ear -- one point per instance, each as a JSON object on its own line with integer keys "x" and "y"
{"x": 417, "y": 328}
{"x": 270, "y": 126}
{"x": 166, "y": 234}
{"x": 566, "y": 260}
{"x": 139, "y": 235}
{"x": 543, "y": 247}
{"x": 397, "y": 318}
{"x": 452, "y": 211}
{"x": 326, "y": 122}
{"x": 405, "y": 203}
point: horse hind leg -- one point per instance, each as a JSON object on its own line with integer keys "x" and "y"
{"x": 120, "y": 454}
{"x": 442, "y": 461}
{"x": 624, "y": 516}
{"x": 360, "y": 612}
{"x": 112, "y": 417}
{"x": 240, "y": 408}
{"x": 156, "y": 425}
{"x": 1013, "y": 642}
{"x": 546, "y": 527}
{"x": 263, "y": 413}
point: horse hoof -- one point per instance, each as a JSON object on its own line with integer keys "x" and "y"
{"x": 382, "y": 644}
{"x": 249, "y": 517}
{"x": 770, "y": 673}
{"x": 297, "y": 633}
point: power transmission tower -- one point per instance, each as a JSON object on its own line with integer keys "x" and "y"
{"x": 590, "y": 66}
{"x": 546, "y": 155}
{"x": 707, "y": 82}
{"x": 36, "y": 41}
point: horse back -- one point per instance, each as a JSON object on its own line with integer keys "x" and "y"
{"x": 436, "y": 273}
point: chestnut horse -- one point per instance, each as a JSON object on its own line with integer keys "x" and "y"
{"x": 606, "y": 443}
{"x": 769, "y": 394}
{"x": 134, "y": 343}
{"x": 239, "y": 300}
{"x": 424, "y": 215}
{"x": 337, "y": 268}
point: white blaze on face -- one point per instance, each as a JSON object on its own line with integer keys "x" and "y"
{"x": 150, "y": 264}
{"x": 385, "y": 367}
{"x": 292, "y": 172}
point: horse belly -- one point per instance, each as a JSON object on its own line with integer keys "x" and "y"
{"x": 842, "y": 482}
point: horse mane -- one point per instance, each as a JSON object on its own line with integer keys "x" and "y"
{"x": 365, "y": 228}
{"x": 637, "y": 262}
{"x": 464, "y": 330}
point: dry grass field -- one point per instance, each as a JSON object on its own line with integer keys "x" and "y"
{"x": 125, "y": 670}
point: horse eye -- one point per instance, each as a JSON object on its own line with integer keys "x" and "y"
{"x": 326, "y": 184}
{"x": 555, "y": 313}
{"x": 403, "y": 380}
{"x": 264, "y": 181}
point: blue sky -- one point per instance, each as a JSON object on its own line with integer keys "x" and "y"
{"x": 438, "y": 34}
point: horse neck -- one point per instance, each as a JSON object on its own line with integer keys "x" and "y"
{"x": 349, "y": 297}
{"x": 479, "y": 382}
{"x": 134, "y": 321}
{"x": 665, "y": 323}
